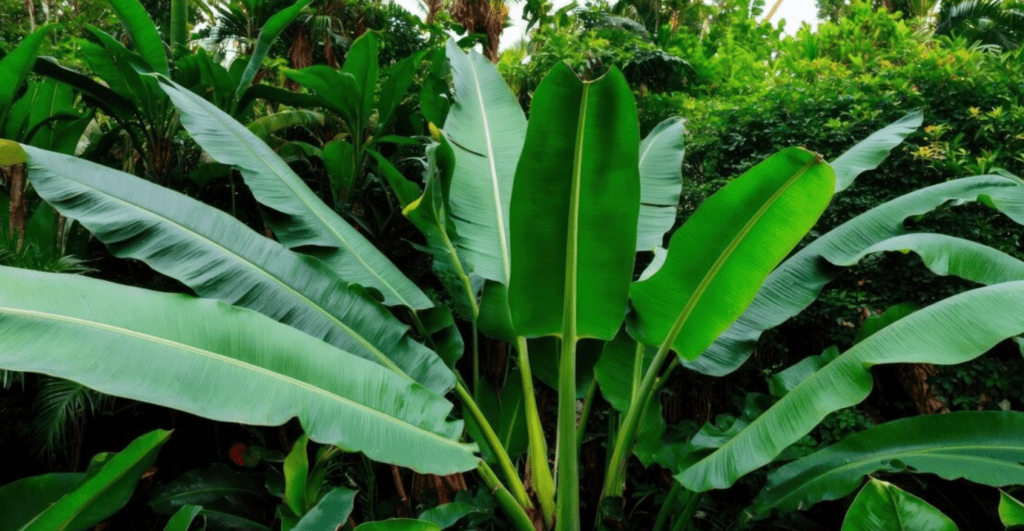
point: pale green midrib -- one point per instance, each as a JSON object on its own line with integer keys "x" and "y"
{"x": 930, "y": 452}
{"x": 215, "y": 357}
{"x": 726, "y": 253}
{"x": 506, "y": 267}
{"x": 303, "y": 199}
{"x": 891, "y": 496}
{"x": 572, "y": 232}
{"x": 453, "y": 254}
{"x": 385, "y": 361}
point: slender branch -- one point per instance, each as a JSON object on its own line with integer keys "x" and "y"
{"x": 540, "y": 471}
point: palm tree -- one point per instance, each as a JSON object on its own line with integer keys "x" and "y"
{"x": 986, "y": 21}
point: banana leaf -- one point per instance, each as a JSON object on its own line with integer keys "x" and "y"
{"x": 882, "y": 506}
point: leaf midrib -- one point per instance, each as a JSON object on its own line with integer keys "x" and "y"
{"x": 300, "y": 196}
{"x": 226, "y": 360}
{"x": 385, "y": 361}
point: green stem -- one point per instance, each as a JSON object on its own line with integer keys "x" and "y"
{"x": 540, "y": 471}
{"x": 638, "y": 371}
{"x": 684, "y": 519}
{"x": 666, "y": 507}
{"x": 588, "y": 401}
{"x": 476, "y": 359}
{"x": 492, "y": 440}
{"x": 627, "y": 432}
{"x": 568, "y": 506}
{"x": 514, "y": 510}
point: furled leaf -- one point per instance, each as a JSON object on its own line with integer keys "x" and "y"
{"x": 577, "y": 196}
{"x": 980, "y": 446}
{"x": 486, "y": 128}
{"x": 882, "y": 506}
{"x": 103, "y": 492}
{"x": 219, "y": 257}
{"x": 144, "y": 34}
{"x": 298, "y": 217}
{"x": 719, "y": 257}
{"x": 795, "y": 284}
{"x": 223, "y": 363}
{"x": 268, "y": 34}
{"x": 1011, "y": 510}
{"x": 661, "y": 182}
{"x": 869, "y": 153}
{"x": 954, "y": 330}
{"x": 330, "y": 513}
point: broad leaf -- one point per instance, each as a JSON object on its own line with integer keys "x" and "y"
{"x": 24, "y": 499}
{"x": 144, "y": 34}
{"x": 719, "y": 257}
{"x": 298, "y": 217}
{"x": 796, "y": 283}
{"x": 448, "y": 514}
{"x": 486, "y": 128}
{"x": 217, "y": 486}
{"x": 983, "y": 447}
{"x": 661, "y": 182}
{"x": 576, "y": 201}
{"x": 330, "y": 513}
{"x": 182, "y": 520}
{"x": 265, "y": 126}
{"x": 361, "y": 63}
{"x": 103, "y": 492}
{"x": 15, "y": 66}
{"x": 268, "y": 34}
{"x": 396, "y": 83}
{"x": 869, "y": 153}
{"x": 219, "y": 257}
{"x": 1011, "y": 510}
{"x": 223, "y": 363}
{"x": 882, "y": 506}
{"x": 951, "y": 331}
{"x": 399, "y": 524}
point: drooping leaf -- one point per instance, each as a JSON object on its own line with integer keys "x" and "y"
{"x": 661, "y": 182}
{"x": 296, "y": 473}
{"x": 869, "y": 153}
{"x": 182, "y": 520}
{"x": 719, "y": 257}
{"x": 882, "y": 506}
{"x": 224, "y": 363}
{"x": 219, "y": 257}
{"x": 144, "y": 34}
{"x": 112, "y": 103}
{"x": 577, "y": 196}
{"x": 24, "y": 499}
{"x": 299, "y": 218}
{"x": 268, "y": 34}
{"x": 103, "y": 492}
{"x": 330, "y": 512}
{"x": 1011, "y": 510}
{"x": 980, "y": 446}
{"x": 954, "y": 330}
{"x": 795, "y": 284}
{"x": 486, "y": 128}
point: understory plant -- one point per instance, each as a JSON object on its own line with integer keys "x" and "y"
{"x": 534, "y": 227}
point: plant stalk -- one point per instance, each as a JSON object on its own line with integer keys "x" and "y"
{"x": 492, "y": 440}
{"x": 588, "y": 402}
{"x": 540, "y": 471}
{"x": 567, "y": 475}
{"x": 514, "y": 510}
{"x": 665, "y": 513}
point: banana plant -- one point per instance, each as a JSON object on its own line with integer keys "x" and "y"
{"x": 303, "y": 326}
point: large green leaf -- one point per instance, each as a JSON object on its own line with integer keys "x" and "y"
{"x": 22, "y": 500}
{"x": 882, "y": 506}
{"x": 15, "y": 66}
{"x": 396, "y": 83}
{"x": 144, "y": 34}
{"x": 486, "y": 128}
{"x": 361, "y": 63}
{"x": 265, "y": 126}
{"x": 983, "y": 447}
{"x": 223, "y": 363}
{"x": 871, "y": 151}
{"x": 448, "y": 514}
{"x": 951, "y": 331}
{"x": 331, "y": 512}
{"x": 719, "y": 257}
{"x": 795, "y": 284}
{"x": 268, "y": 34}
{"x": 217, "y": 486}
{"x": 103, "y": 492}
{"x": 96, "y": 94}
{"x": 182, "y": 520}
{"x": 218, "y": 257}
{"x": 576, "y": 201}
{"x": 298, "y": 217}
{"x": 661, "y": 182}
{"x": 1011, "y": 510}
